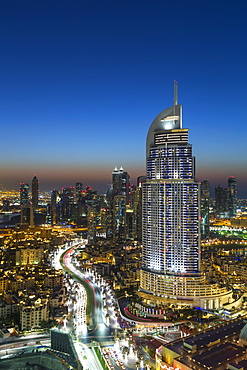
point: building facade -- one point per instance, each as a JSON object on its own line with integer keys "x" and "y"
{"x": 24, "y": 194}
{"x": 35, "y": 192}
{"x": 226, "y": 199}
{"x": 232, "y": 188}
{"x": 120, "y": 182}
{"x": 205, "y": 203}
{"x": 171, "y": 215}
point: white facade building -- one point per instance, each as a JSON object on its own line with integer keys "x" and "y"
{"x": 171, "y": 213}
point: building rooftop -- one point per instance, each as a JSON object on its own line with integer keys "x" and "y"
{"x": 218, "y": 355}
{"x": 211, "y": 349}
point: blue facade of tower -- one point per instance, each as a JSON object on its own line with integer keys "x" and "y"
{"x": 171, "y": 233}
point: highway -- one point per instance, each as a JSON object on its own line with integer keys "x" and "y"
{"x": 97, "y": 330}
{"x": 97, "y": 334}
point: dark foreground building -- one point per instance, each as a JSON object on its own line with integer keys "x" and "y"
{"x": 220, "y": 348}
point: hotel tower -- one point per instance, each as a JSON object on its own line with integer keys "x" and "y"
{"x": 171, "y": 216}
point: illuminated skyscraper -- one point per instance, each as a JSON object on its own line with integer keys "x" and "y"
{"x": 54, "y": 209}
{"x": 222, "y": 202}
{"x": 170, "y": 198}
{"x": 26, "y": 207}
{"x": 226, "y": 199}
{"x": 35, "y": 192}
{"x": 91, "y": 223}
{"x": 24, "y": 194}
{"x": 120, "y": 182}
{"x": 78, "y": 190}
{"x": 232, "y": 188}
{"x": 171, "y": 212}
{"x": 119, "y": 217}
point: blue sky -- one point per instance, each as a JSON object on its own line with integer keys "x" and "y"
{"x": 81, "y": 82}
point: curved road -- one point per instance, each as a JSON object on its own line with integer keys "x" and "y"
{"x": 97, "y": 330}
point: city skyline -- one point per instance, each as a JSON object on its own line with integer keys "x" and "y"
{"x": 82, "y": 82}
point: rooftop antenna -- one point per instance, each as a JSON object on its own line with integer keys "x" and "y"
{"x": 175, "y": 92}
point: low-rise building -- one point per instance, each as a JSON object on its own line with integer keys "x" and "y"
{"x": 214, "y": 349}
{"x": 32, "y": 313}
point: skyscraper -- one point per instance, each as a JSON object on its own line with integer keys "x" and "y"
{"x": 26, "y": 207}
{"x": 232, "y": 188}
{"x": 119, "y": 217}
{"x": 120, "y": 182}
{"x": 35, "y": 192}
{"x": 78, "y": 190}
{"x": 226, "y": 199}
{"x": 222, "y": 202}
{"x": 24, "y": 194}
{"x": 91, "y": 224}
{"x": 170, "y": 198}
{"x": 54, "y": 210}
{"x": 171, "y": 212}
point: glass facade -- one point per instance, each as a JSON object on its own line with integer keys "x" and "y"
{"x": 171, "y": 219}
{"x": 171, "y": 237}
{"x": 170, "y": 208}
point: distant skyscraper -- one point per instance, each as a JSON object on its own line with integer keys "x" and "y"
{"x": 91, "y": 223}
{"x": 119, "y": 217}
{"x": 226, "y": 199}
{"x": 78, "y": 189}
{"x": 221, "y": 202}
{"x": 118, "y": 197}
{"x": 205, "y": 202}
{"x": 24, "y": 194}
{"x": 35, "y": 192}
{"x": 54, "y": 209}
{"x": 232, "y": 188}
{"x": 120, "y": 182}
{"x": 68, "y": 202}
{"x": 26, "y": 207}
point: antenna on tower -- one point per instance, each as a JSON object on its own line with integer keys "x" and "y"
{"x": 175, "y": 92}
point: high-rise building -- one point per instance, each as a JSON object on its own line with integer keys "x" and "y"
{"x": 221, "y": 202}
{"x": 26, "y": 206}
{"x": 170, "y": 198}
{"x": 120, "y": 182}
{"x": 54, "y": 209}
{"x": 119, "y": 217}
{"x": 232, "y": 188}
{"x": 35, "y": 192}
{"x": 68, "y": 202}
{"x": 78, "y": 190}
{"x": 171, "y": 212}
{"x": 205, "y": 203}
{"x": 226, "y": 199}
{"x": 24, "y": 194}
{"x": 91, "y": 223}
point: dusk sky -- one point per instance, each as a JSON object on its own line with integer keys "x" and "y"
{"x": 82, "y": 80}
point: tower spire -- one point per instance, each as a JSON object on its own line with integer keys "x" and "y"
{"x": 175, "y": 92}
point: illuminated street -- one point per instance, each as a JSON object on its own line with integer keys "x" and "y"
{"x": 98, "y": 334}
{"x": 97, "y": 329}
